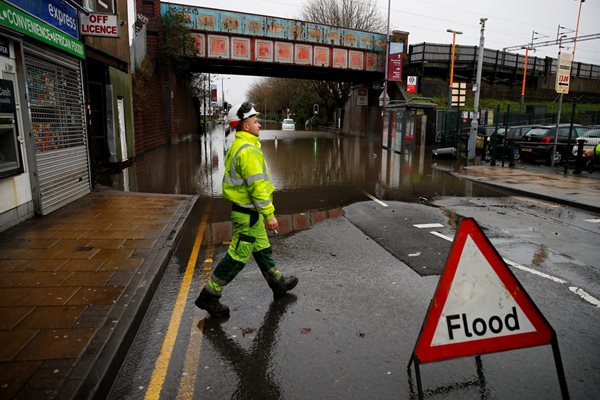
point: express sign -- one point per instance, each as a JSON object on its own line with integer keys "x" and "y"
{"x": 99, "y": 25}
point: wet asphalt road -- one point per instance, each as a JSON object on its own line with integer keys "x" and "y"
{"x": 366, "y": 280}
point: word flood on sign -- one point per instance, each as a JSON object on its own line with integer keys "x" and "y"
{"x": 479, "y": 326}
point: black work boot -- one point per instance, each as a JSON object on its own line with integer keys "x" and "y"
{"x": 283, "y": 286}
{"x": 211, "y": 304}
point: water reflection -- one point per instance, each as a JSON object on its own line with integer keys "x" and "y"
{"x": 314, "y": 170}
{"x": 478, "y": 382}
{"x": 254, "y": 368}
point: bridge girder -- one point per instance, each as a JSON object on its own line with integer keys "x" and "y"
{"x": 230, "y": 67}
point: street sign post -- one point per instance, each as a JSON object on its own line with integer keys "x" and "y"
{"x": 480, "y": 307}
{"x": 362, "y": 98}
{"x": 411, "y": 84}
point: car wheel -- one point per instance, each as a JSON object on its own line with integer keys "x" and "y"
{"x": 557, "y": 157}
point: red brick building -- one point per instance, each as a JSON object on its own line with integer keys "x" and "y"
{"x": 164, "y": 110}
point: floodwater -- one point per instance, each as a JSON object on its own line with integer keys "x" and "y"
{"x": 310, "y": 170}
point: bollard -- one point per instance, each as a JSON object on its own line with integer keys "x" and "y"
{"x": 579, "y": 160}
{"x": 444, "y": 152}
{"x": 494, "y": 145}
{"x": 511, "y": 152}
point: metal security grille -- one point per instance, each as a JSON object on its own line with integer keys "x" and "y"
{"x": 56, "y": 104}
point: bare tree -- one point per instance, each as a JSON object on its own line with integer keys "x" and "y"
{"x": 353, "y": 14}
{"x": 276, "y": 95}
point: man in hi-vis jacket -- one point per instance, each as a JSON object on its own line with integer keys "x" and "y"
{"x": 247, "y": 185}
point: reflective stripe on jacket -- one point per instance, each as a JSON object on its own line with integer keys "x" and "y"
{"x": 246, "y": 181}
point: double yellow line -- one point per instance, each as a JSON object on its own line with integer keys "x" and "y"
{"x": 162, "y": 363}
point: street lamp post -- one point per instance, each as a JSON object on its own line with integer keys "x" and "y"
{"x": 454, "y": 33}
{"x": 577, "y": 28}
{"x": 524, "y": 76}
{"x": 534, "y": 35}
{"x": 560, "y": 99}
{"x": 475, "y": 122}
{"x": 387, "y": 61}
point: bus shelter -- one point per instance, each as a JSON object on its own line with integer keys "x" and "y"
{"x": 408, "y": 123}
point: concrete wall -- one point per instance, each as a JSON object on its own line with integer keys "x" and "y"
{"x": 363, "y": 120}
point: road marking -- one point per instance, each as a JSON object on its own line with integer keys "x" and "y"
{"x": 164, "y": 357}
{"x": 593, "y": 221}
{"x": 533, "y": 271}
{"x": 428, "y": 226}
{"x": 584, "y": 295}
{"x": 512, "y": 263}
{"x": 578, "y": 291}
{"x": 376, "y": 200}
{"x": 442, "y": 236}
{"x": 187, "y": 383}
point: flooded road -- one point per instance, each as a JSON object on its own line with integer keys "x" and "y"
{"x": 310, "y": 170}
{"x": 366, "y": 280}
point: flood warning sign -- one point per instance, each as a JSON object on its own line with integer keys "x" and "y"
{"x": 479, "y": 306}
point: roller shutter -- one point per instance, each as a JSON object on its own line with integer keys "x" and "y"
{"x": 56, "y": 104}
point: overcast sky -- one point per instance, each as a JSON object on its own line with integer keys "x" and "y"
{"x": 510, "y": 23}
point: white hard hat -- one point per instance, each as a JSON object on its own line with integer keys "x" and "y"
{"x": 239, "y": 112}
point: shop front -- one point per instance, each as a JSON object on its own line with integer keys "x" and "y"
{"x": 45, "y": 136}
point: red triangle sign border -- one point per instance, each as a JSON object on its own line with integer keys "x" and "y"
{"x": 543, "y": 334}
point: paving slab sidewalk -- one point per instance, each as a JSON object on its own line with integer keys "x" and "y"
{"x": 73, "y": 287}
{"x": 582, "y": 190}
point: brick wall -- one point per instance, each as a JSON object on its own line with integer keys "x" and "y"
{"x": 164, "y": 111}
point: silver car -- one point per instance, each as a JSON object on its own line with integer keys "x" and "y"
{"x": 591, "y": 137}
{"x": 288, "y": 124}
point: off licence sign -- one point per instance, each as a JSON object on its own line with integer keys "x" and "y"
{"x": 563, "y": 73}
{"x": 99, "y": 25}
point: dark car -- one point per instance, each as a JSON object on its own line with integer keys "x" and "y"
{"x": 486, "y": 140}
{"x": 484, "y": 136}
{"x": 538, "y": 143}
{"x": 516, "y": 133}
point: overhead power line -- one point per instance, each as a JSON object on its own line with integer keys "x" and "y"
{"x": 554, "y": 42}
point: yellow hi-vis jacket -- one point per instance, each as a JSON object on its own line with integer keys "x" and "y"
{"x": 246, "y": 181}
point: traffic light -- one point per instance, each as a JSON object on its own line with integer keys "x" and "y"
{"x": 315, "y": 109}
{"x": 225, "y": 106}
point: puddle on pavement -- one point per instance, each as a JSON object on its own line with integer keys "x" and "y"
{"x": 310, "y": 171}
{"x": 540, "y": 256}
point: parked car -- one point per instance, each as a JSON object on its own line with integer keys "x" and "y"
{"x": 485, "y": 141}
{"x": 516, "y": 133}
{"x": 288, "y": 124}
{"x": 591, "y": 137}
{"x": 486, "y": 132}
{"x": 538, "y": 143}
